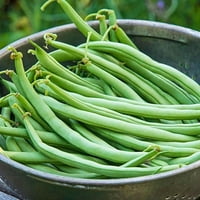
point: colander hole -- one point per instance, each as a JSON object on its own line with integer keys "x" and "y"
{"x": 184, "y": 197}
{"x": 176, "y": 195}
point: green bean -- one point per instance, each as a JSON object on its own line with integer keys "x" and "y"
{"x": 116, "y": 70}
{"x": 12, "y": 101}
{"x": 91, "y": 166}
{"x": 102, "y": 22}
{"x": 186, "y": 160}
{"x": 2, "y": 142}
{"x": 108, "y": 90}
{"x": 73, "y": 87}
{"x": 99, "y": 150}
{"x": 24, "y": 145}
{"x": 187, "y": 129}
{"x": 5, "y": 121}
{"x": 114, "y": 124}
{"x": 117, "y": 34}
{"x": 101, "y": 97}
{"x": 185, "y": 95}
{"x": 82, "y": 26}
{"x": 31, "y": 157}
{"x": 165, "y": 84}
{"x": 154, "y": 84}
{"x": 51, "y": 170}
{"x": 69, "y": 169}
{"x": 158, "y": 162}
{"x": 122, "y": 36}
{"x": 6, "y": 114}
{"x": 47, "y": 137}
{"x": 8, "y": 85}
{"x": 28, "y": 157}
{"x": 146, "y": 111}
{"x": 70, "y": 86}
{"x": 29, "y": 108}
{"x": 60, "y": 127}
{"x": 30, "y": 73}
{"x": 4, "y": 100}
{"x": 15, "y": 80}
{"x": 65, "y": 96}
{"x": 101, "y": 115}
{"x": 123, "y": 89}
{"x": 140, "y": 160}
{"x": 62, "y": 56}
{"x": 193, "y": 144}
{"x": 140, "y": 145}
{"x": 165, "y": 70}
{"x": 88, "y": 134}
{"x": 112, "y": 21}
{"x": 33, "y": 160}
{"x": 48, "y": 62}
{"x": 118, "y": 146}
{"x": 11, "y": 144}
{"x": 87, "y": 92}
{"x": 165, "y": 98}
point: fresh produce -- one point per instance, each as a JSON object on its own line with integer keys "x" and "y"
{"x": 101, "y": 109}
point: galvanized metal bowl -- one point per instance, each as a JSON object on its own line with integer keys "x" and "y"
{"x": 173, "y": 45}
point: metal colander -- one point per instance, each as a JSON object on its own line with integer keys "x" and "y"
{"x": 173, "y": 45}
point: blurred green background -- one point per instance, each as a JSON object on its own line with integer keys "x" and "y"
{"x": 19, "y": 18}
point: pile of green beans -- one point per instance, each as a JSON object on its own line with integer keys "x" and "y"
{"x": 99, "y": 110}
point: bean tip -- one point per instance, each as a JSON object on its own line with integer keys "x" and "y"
{"x": 47, "y": 3}
{"x": 2, "y": 152}
{"x": 14, "y": 53}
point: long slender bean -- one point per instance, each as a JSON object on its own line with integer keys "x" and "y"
{"x": 146, "y": 111}
{"x": 114, "y": 124}
{"x": 102, "y": 22}
{"x": 88, "y": 134}
{"x": 123, "y": 89}
{"x": 167, "y": 71}
{"x": 140, "y": 145}
{"x": 11, "y": 144}
{"x": 28, "y": 157}
{"x": 72, "y": 160}
{"x": 142, "y": 159}
{"x": 102, "y": 109}
{"x": 12, "y": 100}
{"x": 114, "y": 69}
{"x": 76, "y": 19}
{"x": 47, "y": 137}
{"x": 52, "y": 170}
{"x": 48, "y": 62}
{"x": 112, "y": 21}
{"x": 123, "y": 37}
{"x": 29, "y": 108}
{"x": 8, "y": 84}
{"x": 186, "y": 160}
{"x": 65, "y": 96}
{"x": 60, "y": 127}
{"x": 187, "y": 129}
{"x": 166, "y": 86}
